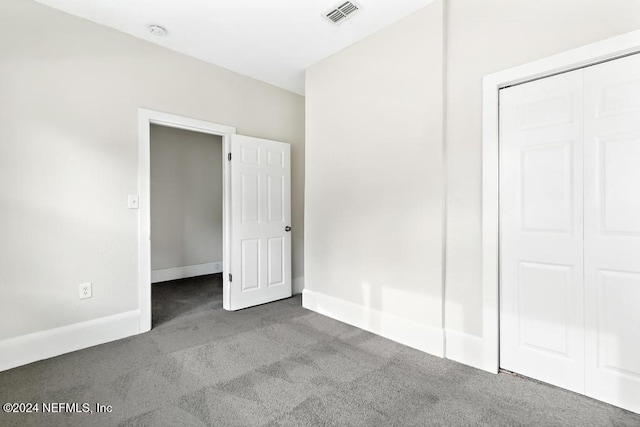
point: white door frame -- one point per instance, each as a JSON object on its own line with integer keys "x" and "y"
{"x": 145, "y": 119}
{"x": 605, "y": 50}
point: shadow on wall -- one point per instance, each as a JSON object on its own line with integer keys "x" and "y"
{"x": 186, "y": 198}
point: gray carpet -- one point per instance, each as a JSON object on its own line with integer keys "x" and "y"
{"x": 279, "y": 365}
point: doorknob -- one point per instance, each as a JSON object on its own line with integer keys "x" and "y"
{"x": 287, "y": 228}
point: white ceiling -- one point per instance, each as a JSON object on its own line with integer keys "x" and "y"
{"x": 270, "y": 40}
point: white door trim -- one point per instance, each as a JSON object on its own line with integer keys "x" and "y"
{"x": 145, "y": 119}
{"x": 605, "y": 50}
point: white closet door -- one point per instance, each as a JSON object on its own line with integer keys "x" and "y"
{"x": 612, "y": 231}
{"x": 541, "y": 222}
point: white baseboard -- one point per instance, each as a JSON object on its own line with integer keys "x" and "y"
{"x": 407, "y": 332}
{"x": 186, "y": 271}
{"x": 464, "y": 348}
{"x": 297, "y": 286}
{"x": 30, "y": 348}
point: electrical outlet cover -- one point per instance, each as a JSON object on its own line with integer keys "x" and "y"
{"x": 85, "y": 290}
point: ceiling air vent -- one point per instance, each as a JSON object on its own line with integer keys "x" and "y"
{"x": 339, "y": 13}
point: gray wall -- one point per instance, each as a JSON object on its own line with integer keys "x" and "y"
{"x": 186, "y": 198}
{"x": 69, "y": 94}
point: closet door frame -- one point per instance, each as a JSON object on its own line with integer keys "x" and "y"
{"x": 606, "y": 50}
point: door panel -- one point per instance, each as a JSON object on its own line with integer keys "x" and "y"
{"x": 250, "y": 262}
{"x": 617, "y": 168}
{"x": 250, "y": 198}
{"x": 260, "y": 212}
{"x": 615, "y": 314}
{"x": 542, "y": 320}
{"x": 547, "y": 193}
{"x": 276, "y": 255}
{"x": 276, "y": 190}
{"x": 541, "y": 260}
{"x": 612, "y": 231}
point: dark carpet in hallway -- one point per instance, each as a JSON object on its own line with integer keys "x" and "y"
{"x": 177, "y": 298}
{"x": 279, "y": 365}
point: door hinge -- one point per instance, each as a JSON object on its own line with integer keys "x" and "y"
{"x": 230, "y": 277}
{"x": 229, "y": 156}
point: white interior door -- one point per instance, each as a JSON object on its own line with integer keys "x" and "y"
{"x": 260, "y": 237}
{"x": 541, "y": 222}
{"x": 612, "y": 231}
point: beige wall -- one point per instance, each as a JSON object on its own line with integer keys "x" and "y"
{"x": 374, "y": 165}
{"x": 374, "y": 171}
{"x": 69, "y": 93}
{"x": 485, "y": 37}
{"x": 186, "y": 198}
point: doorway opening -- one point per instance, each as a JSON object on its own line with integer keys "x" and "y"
{"x": 186, "y": 222}
{"x": 149, "y": 120}
{"x": 256, "y": 238}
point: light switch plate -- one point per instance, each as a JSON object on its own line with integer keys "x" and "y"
{"x": 133, "y": 201}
